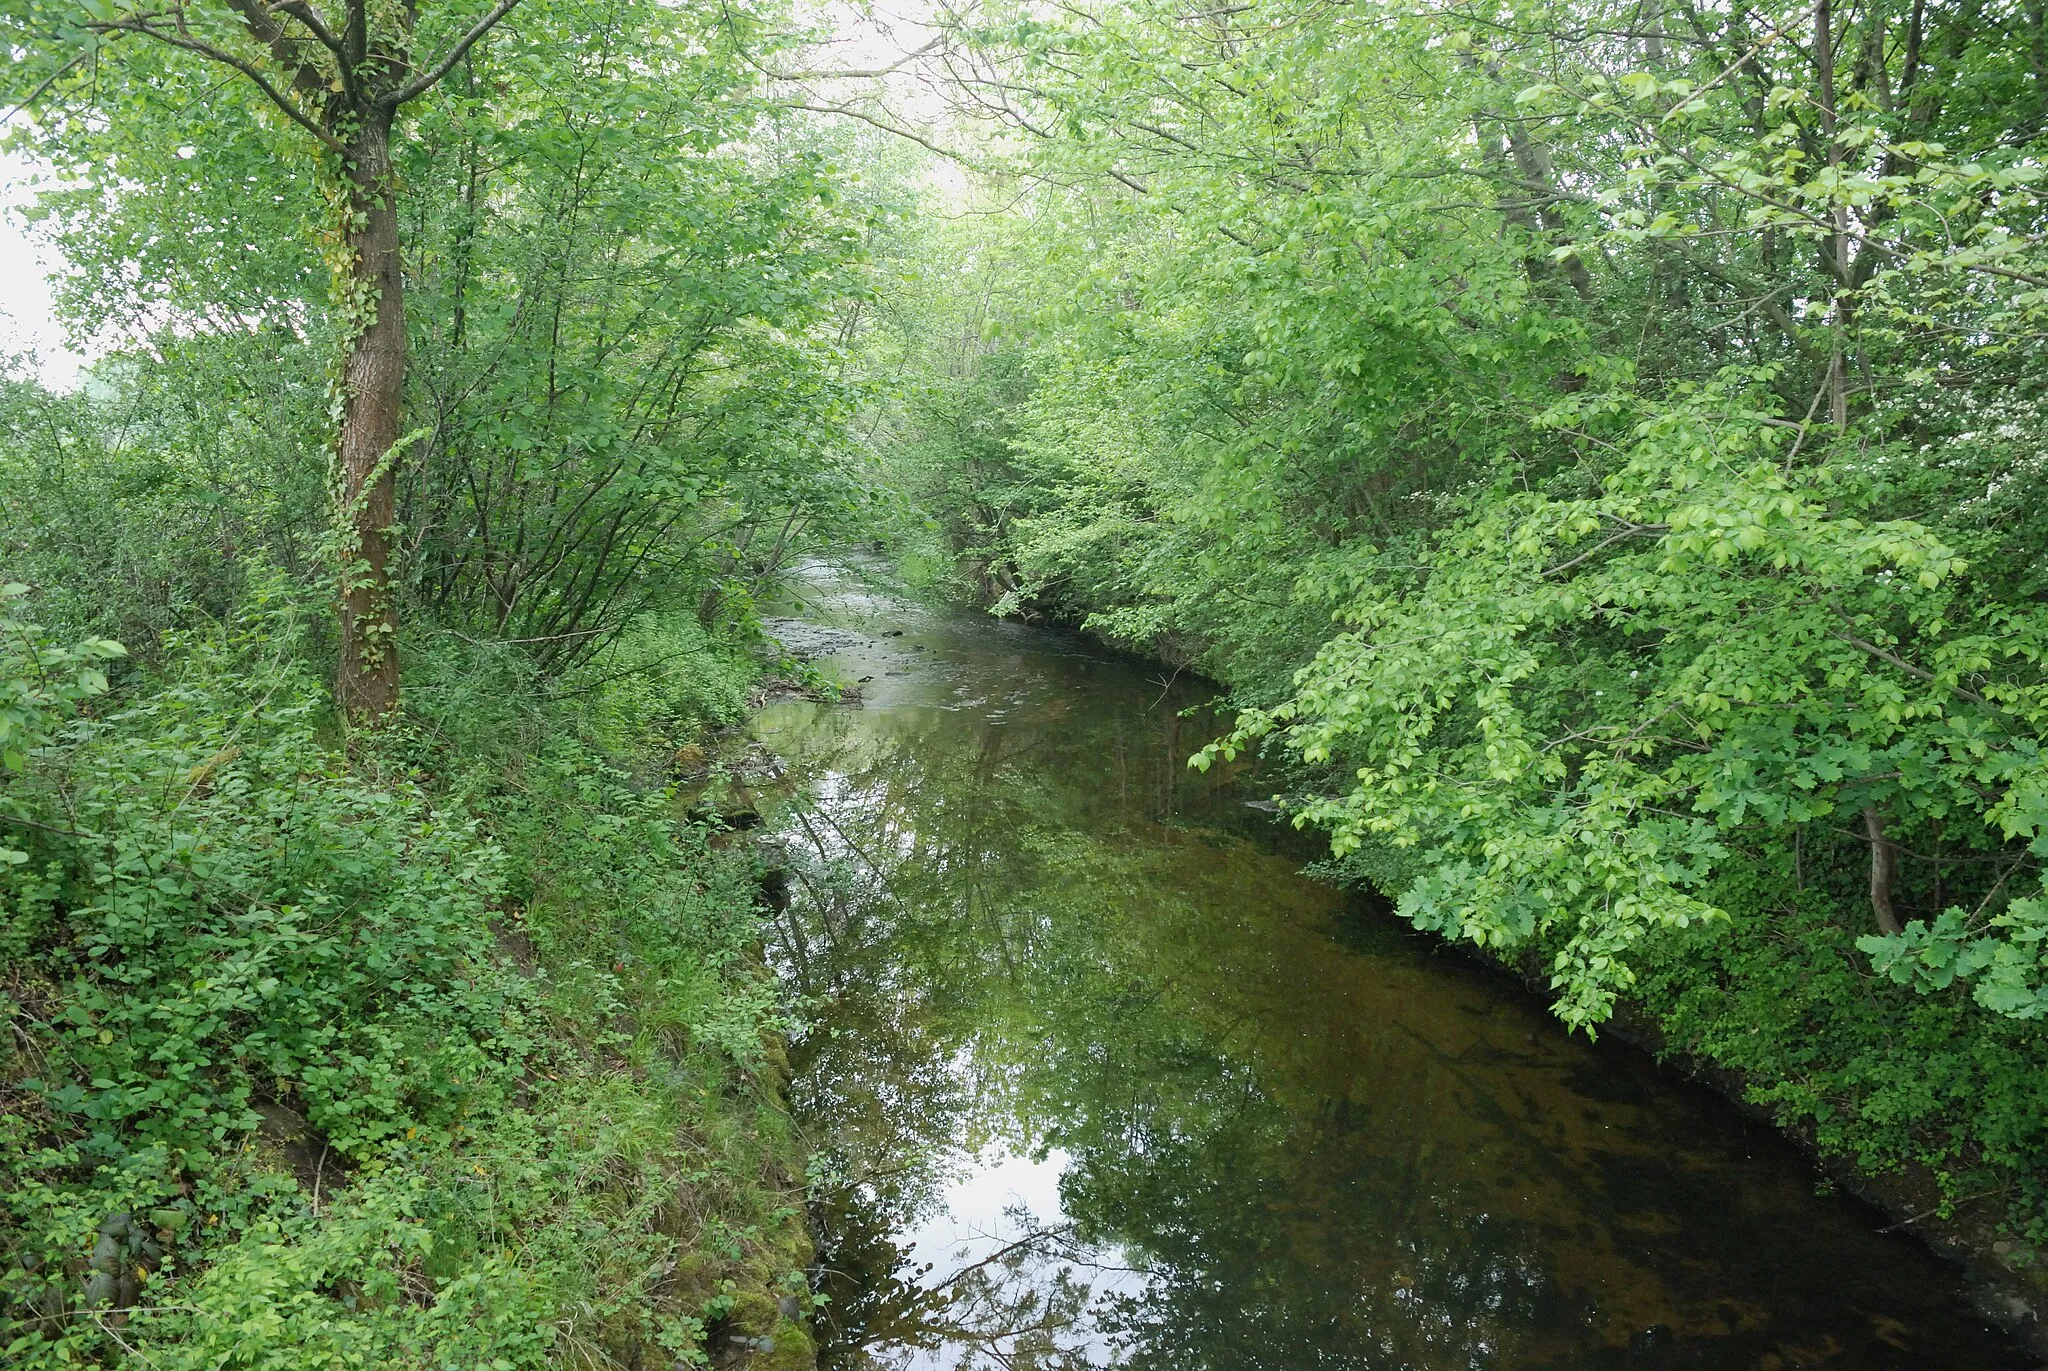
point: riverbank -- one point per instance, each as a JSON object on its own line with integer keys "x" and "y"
{"x": 1699, "y": 1022}
{"x": 2008, "y": 1280}
{"x": 2008, "y": 1283}
{"x": 450, "y": 1046}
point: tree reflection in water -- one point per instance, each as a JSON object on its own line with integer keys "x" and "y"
{"x": 1288, "y": 1136}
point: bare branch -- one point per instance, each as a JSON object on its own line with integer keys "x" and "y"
{"x": 905, "y": 60}
{"x": 886, "y": 126}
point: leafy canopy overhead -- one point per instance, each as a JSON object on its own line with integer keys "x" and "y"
{"x": 1594, "y": 439}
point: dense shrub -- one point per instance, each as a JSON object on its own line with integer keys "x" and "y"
{"x": 434, "y": 1055}
{"x": 135, "y": 508}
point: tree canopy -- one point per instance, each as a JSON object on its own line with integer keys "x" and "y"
{"x": 1593, "y": 439}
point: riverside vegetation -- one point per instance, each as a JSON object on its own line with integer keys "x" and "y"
{"x": 1600, "y": 448}
{"x": 1597, "y": 444}
{"x": 342, "y": 1031}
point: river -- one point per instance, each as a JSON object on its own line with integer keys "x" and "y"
{"x": 1097, "y": 1078}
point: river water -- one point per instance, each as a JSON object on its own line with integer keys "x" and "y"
{"x": 1097, "y": 1078}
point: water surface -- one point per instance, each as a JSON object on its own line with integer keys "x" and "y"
{"x": 1099, "y": 1079}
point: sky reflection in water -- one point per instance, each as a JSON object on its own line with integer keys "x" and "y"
{"x": 1100, "y": 1079}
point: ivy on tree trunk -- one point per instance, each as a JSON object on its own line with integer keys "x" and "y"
{"x": 342, "y": 78}
{"x": 372, "y": 409}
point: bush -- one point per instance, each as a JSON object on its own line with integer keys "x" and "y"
{"x": 434, "y": 1055}
{"x": 1877, "y": 1072}
{"x": 136, "y": 508}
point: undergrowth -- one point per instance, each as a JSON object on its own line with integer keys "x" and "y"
{"x": 1894, "y": 1080}
{"x": 445, "y": 1047}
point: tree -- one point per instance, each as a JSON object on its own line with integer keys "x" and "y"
{"x": 623, "y": 269}
{"x": 342, "y": 79}
{"x": 1617, "y": 396}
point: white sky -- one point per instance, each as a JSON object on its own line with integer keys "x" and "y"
{"x": 27, "y": 323}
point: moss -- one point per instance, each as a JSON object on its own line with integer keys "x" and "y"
{"x": 792, "y": 1349}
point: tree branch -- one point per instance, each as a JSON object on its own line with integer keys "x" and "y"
{"x": 886, "y": 126}
{"x": 1911, "y": 670}
{"x": 53, "y": 79}
{"x": 1629, "y": 531}
{"x": 426, "y": 81}
{"x": 265, "y": 29}
{"x": 310, "y": 17}
{"x": 905, "y": 60}
{"x": 228, "y": 59}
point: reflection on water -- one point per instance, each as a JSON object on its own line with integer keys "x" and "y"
{"x": 1099, "y": 1079}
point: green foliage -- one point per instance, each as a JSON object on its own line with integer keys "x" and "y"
{"x": 41, "y": 682}
{"x": 1601, "y": 460}
{"x": 132, "y": 507}
{"x": 1890, "y": 1077}
{"x": 403, "y": 1067}
{"x": 1472, "y": 340}
{"x": 2008, "y": 966}
{"x": 211, "y": 917}
{"x": 627, "y": 264}
{"x": 665, "y": 677}
{"x": 444, "y": 1046}
{"x": 1597, "y": 452}
{"x": 1590, "y": 697}
{"x": 622, "y": 266}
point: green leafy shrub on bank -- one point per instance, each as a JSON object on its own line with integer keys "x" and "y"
{"x": 136, "y": 508}
{"x": 1892, "y": 1078}
{"x": 440, "y": 1055}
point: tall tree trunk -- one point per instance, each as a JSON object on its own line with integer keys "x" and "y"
{"x": 1837, "y": 253}
{"x": 373, "y": 378}
{"x": 1539, "y": 178}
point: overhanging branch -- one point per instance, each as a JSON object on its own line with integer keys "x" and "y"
{"x": 426, "y": 81}
{"x": 227, "y": 59}
{"x": 885, "y": 125}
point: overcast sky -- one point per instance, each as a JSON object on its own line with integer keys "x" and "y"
{"x": 26, "y": 323}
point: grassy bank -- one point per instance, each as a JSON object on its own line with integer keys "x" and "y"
{"x": 445, "y": 1047}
